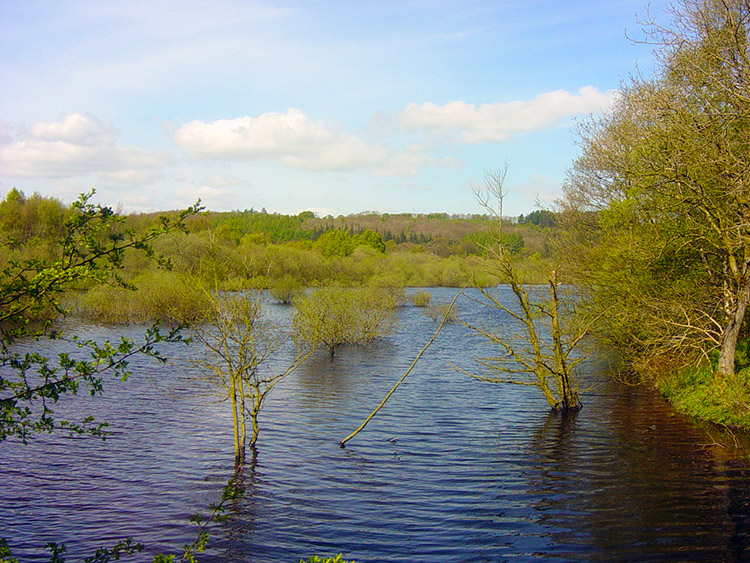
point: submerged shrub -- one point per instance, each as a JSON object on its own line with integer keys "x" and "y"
{"x": 331, "y": 316}
{"x": 421, "y": 299}
{"x": 163, "y": 295}
{"x": 437, "y": 312}
{"x": 286, "y": 289}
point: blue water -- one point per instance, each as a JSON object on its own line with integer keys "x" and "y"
{"x": 451, "y": 470}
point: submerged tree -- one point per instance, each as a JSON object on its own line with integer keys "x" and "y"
{"x": 542, "y": 353}
{"x": 242, "y": 345}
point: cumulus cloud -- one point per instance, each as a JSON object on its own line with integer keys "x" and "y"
{"x": 75, "y": 145}
{"x": 498, "y": 122}
{"x": 295, "y": 141}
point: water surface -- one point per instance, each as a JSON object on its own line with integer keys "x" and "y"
{"x": 451, "y": 470}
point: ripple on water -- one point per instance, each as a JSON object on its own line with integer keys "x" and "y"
{"x": 451, "y": 470}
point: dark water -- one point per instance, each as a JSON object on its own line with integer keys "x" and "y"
{"x": 452, "y": 470}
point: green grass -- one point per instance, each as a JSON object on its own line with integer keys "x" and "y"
{"x": 699, "y": 393}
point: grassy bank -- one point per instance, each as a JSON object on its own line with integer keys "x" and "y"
{"x": 699, "y": 393}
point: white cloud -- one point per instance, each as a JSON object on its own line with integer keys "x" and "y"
{"x": 76, "y": 145}
{"x": 297, "y": 142}
{"x": 130, "y": 176}
{"x": 498, "y": 122}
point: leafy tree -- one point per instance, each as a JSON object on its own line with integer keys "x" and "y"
{"x": 22, "y": 218}
{"x": 370, "y": 238}
{"x": 332, "y": 316}
{"x": 661, "y": 192}
{"x": 335, "y": 242}
{"x": 539, "y": 218}
{"x": 286, "y": 289}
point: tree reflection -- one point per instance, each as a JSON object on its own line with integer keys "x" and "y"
{"x": 632, "y": 481}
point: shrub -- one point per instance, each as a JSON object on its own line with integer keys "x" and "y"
{"x": 437, "y": 312}
{"x": 162, "y": 295}
{"x": 331, "y": 316}
{"x": 286, "y": 289}
{"x": 421, "y": 299}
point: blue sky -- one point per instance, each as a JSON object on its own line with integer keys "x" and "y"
{"x": 337, "y": 107}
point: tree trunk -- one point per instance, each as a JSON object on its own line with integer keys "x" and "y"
{"x": 568, "y": 394}
{"x": 243, "y": 421}
{"x": 238, "y": 453}
{"x": 732, "y": 331}
{"x": 256, "y": 428}
{"x": 256, "y": 401}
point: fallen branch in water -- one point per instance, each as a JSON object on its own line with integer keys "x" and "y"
{"x": 446, "y": 317}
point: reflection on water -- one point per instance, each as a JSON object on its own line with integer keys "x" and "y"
{"x": 451, "y": 470}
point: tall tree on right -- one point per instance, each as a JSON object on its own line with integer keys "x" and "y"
{"x": 660, "y": 195}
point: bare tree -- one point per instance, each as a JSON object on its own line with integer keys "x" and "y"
{"x": 240, "y": 343}
{"x": 541, "y": 354}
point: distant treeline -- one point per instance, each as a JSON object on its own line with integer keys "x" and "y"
{"x": 438, "y": 233}
{"x": 256, "y": 249}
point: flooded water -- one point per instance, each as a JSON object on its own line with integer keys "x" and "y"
{"x": 451, "y": 470}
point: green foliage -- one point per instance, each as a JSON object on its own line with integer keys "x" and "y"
{"x": 91, "y": 251}
{"x": 167, "y": 296}
{"x": 316, "y": 559}
{"x": 278, "y": 228}
{"x": 5, "y": 554}
{"x": 421, "y": 299}
{"x": 286, "y": 289}
{"x": 22, "y": 218}
{"x": 658, "y": 197}
{"x": 513, "y": 242}
{"x": 443, "y": 311}
{"x": 104, "y": 555}
{"x": 332, "y": 316}
{"x": 742, "y": 354}
{"x": 336, "y": 243}
{"x": 484, "y": 241}
{"x": 698, "y": 392}
{"x": 370, "y": 238}
{"x": 540, "y": 218}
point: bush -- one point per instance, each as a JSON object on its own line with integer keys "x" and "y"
{"x": 421, "y": 299}
{"x": 437, "y": 312}
{"x": 331, "y": 316}
{"x": 163, "y": 295}
{"x": 286, "y": 289}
